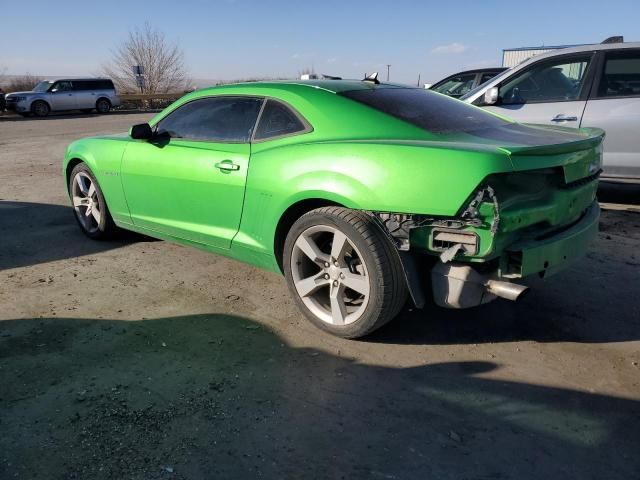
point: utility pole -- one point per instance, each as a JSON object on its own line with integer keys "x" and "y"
{"x": 388, "y": 67}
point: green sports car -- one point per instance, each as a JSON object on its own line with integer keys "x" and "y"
{"x": 362, "y": 194}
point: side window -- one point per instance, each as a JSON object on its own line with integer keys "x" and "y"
{"x": 276, "y": 120}
{"x": 621, "y": 75}
{"x": 557, "y": 81}
{"x": 82, "y": 85}
{"x": 64, "y": 86}
{"x": 456, "y": 86}
{"x": 217, "y": 119}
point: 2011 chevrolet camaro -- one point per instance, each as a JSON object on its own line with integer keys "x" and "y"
{"x": 360, "y": 193}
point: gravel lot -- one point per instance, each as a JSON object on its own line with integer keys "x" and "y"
{"x": 141, "y": 359}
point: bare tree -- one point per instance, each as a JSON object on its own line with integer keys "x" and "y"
{"x": 163, "y": 63}
{"x": 21, "y": 83}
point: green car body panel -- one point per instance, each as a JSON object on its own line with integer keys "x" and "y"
{"x": 361, "y": 158}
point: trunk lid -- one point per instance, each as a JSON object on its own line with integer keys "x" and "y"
{"x": 531, "y": 147}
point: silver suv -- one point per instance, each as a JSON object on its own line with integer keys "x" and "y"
{"x": 62, "y": 94}
{"x": 587, "y": 86}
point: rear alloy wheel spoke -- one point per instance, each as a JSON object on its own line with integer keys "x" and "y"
{"x": 92, "y": 191}
{"x": 310, "y": 285}
{"x": 338, "y": 307}
{"x": 339, "y": 246}
{"x": 87, "y": 213}
{"x": 357, "y": 283}
{"x": 311, "y": 250}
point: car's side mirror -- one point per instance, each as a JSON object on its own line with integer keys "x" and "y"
{"x": 142, "y": 131}
{"x": 491, "y": 96}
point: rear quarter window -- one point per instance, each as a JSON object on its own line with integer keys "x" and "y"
{"x": 430, "y": 111}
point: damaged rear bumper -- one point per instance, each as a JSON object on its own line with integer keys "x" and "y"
{"x": 460, "y": 285}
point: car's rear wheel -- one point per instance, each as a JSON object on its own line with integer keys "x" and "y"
{"x": 89, "y": 205}
{"x": 103, "y": 105}
{"x": 343, "y": 271}
{"x": 40, "y": 108}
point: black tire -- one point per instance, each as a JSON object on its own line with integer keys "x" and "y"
{"x": 105, "y": 228}
{"x": 103, "y": 105}
{"x": 40, "y": 108}
{"x": 387, "y": 286}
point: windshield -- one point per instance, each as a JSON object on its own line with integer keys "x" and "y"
{"x": 455, "y": 86}
{"x": 473, "y": 91}
{"x": 42, "y": 86}
{"x": 428, "y": 110}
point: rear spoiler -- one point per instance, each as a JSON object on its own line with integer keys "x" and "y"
{"x": 592, "y": 137}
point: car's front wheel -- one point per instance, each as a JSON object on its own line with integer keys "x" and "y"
{"x": 343, "y": 271}
{"x": 89, "y": 205}
{"x": 40, "y": 108}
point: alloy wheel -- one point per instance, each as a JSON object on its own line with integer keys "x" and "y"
{"x": 86, "y": 203}
{"x": 329, "y": 275}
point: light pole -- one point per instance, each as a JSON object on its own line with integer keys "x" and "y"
{"x": 388, "y": 67}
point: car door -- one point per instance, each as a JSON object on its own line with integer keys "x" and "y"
{"x": 62, "y": 96}
{"x": 85, "y": 94}
{"x": 189, "y": 181}
{"x": 614, "y": 105}
{"x": 551, "y": 91}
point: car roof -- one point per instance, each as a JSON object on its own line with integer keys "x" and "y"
{"x": 333, "y": 86}
{"x": 583, "y": 48}
{"x": 71, "y": 79}
{"x": 478, "y": 70}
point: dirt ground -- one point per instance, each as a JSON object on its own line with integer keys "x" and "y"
{"x": 139, "y": 359}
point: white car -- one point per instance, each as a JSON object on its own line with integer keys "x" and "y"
{"x": 586, "y": 86}
{"x": 63, "y": 94}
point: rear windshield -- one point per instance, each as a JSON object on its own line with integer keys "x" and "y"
{"x": 428, "y": 110}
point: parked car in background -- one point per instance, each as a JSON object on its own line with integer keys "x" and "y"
{"x": 352, "y": 189}
{"x": 587, "y": 86}
{"x": 64, "y": 94}
{"x": 460, "y": 83}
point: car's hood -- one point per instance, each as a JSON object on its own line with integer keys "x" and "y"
{"x": 30, "y": 92}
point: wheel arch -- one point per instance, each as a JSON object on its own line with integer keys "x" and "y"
{"x": 35, "y": 100}
{"x": 104, "y": 97}
{"x": 71, "y": 164}
{"x": 289, "y": 217}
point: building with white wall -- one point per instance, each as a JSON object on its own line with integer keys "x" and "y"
{"x": 514, "y": 56}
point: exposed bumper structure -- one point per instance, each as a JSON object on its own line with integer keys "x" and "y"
{"x": 460, "y": 285}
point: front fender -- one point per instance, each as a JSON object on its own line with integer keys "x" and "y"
{"x": 104, "y": 157}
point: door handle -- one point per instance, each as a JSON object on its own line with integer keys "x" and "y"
{"x": 564, "y": 118}
{"x": 227, "y": 165}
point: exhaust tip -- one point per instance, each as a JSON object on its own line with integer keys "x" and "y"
{"x": 508, "y": 290}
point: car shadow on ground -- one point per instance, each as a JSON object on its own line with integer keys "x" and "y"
{"x": 34, "y": 233}
{"x": 215, "y": 396}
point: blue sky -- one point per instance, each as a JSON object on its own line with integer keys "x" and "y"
{"x": 229, "y": 39}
